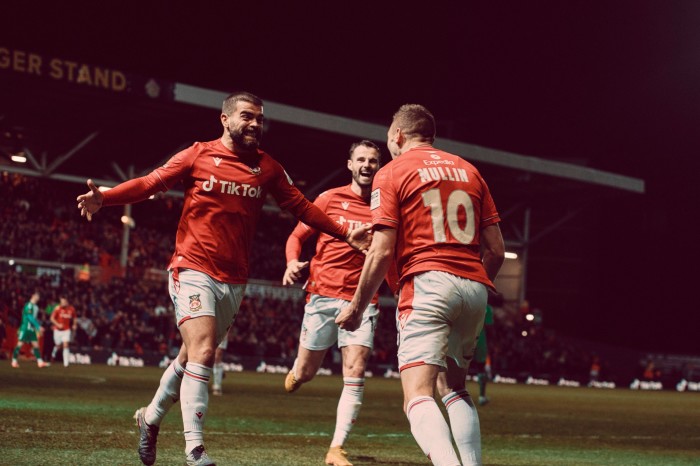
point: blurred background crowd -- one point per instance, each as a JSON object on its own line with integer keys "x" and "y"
{"x": 43, "y": 241}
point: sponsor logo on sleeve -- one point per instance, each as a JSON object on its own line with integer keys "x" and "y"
{"x": 374, "y": 200}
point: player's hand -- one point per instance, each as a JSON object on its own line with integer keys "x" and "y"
{"x": 349, "y": 318}
{"x": 293, "y": 272}
{"x": 90, "y": 202}
{"x": 360, "y": 238}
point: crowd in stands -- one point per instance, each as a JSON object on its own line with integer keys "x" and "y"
{"x": 125, "y": 312}
{"x": 540, "y": 352}
{"x": 44, "y": 224}
{"x": 134, "y": 316}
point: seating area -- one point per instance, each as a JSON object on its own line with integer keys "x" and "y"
{"x": 132, "y": 311}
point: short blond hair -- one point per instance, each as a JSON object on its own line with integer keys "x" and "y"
{"x": 416, "y": 122}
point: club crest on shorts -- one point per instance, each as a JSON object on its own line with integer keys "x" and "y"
{"x": 195, "y": 303}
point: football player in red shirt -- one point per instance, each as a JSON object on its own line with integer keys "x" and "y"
{"x": 433, "y": 213}
{"x": 64, "y": 319}
{"x": 226, "y": 182}
{"x": 333, "y": 276}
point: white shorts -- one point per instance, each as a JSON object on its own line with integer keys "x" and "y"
{"x": 61, "y": 336}
{"x": 439, "y": 315}
{"x": 196, "y": 294}
{"x": 319, "y": 330}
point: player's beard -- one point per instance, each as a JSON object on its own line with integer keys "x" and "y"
{"x": 239, "y": 138}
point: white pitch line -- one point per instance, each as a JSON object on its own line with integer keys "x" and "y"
{"x": 247, "y": 434}
{"x": 327, "y": 434}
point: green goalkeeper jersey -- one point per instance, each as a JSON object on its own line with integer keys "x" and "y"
{"x": 481, "y": 348}
{"x": 29, "y": 322}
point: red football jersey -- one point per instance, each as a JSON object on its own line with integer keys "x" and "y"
{"x": 335, "y": 268}
{"x": 224, "y": 196}
{"x": 438, "y": 203}
{"x": 64, "y": 315}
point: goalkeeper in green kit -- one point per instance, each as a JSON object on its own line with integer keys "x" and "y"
{"x": 28, "y": 330}
{"x": 481, "y": 356}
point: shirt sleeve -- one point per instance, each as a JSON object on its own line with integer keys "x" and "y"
{"x": 159, "y": 180}
{"x": 132, "y": 191}
{"x": 35, "y": 323}
{"x": 303, "y": 232}
{"x": 290, "y": 198}
{"x": 300, "y": 234}
{"x": 178, "y": 167}
{"x": 489, "y": 214}
{"x": 384, "y": 201}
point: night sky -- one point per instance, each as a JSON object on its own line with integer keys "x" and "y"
{"x": 610, "y": 85}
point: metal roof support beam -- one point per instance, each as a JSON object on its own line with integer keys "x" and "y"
{"x": 56, "y": 163}
{"x": 554, "y": 226}
{"x": 318, "y": 187}
{"x": 194, "y": 95}
{"x": 513, "y": 244}
{"x": 511, "y": 211}
{"x": 512, "y": 226}
{"x": 525, "y": 255}
{"x": 179, "y": 148}
{"x": 120, "y": 173}
{"x": 72, "y": 178}
{"x": 31, "y": 158}
{"x": 126, "y": 225}
{"x": 517, "y": 232}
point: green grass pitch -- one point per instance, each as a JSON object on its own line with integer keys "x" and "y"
{"x": 82, "y": 415}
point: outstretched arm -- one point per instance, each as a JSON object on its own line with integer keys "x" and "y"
{"x": 90, "y": 202}
{"x": 128, "y": 192}
{"x": 359, "y": 238}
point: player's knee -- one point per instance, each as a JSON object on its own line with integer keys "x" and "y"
{"x": 203, "y": 354}
{"x": 354, "y": 369}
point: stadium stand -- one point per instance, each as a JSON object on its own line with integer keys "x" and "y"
{"x": 46, "y": 246}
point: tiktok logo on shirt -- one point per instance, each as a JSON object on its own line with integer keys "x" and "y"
{"x": 352, "y": 224}
{"x": 231, "y": 187}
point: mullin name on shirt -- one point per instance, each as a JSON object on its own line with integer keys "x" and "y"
{"x": 434, "y": 172}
